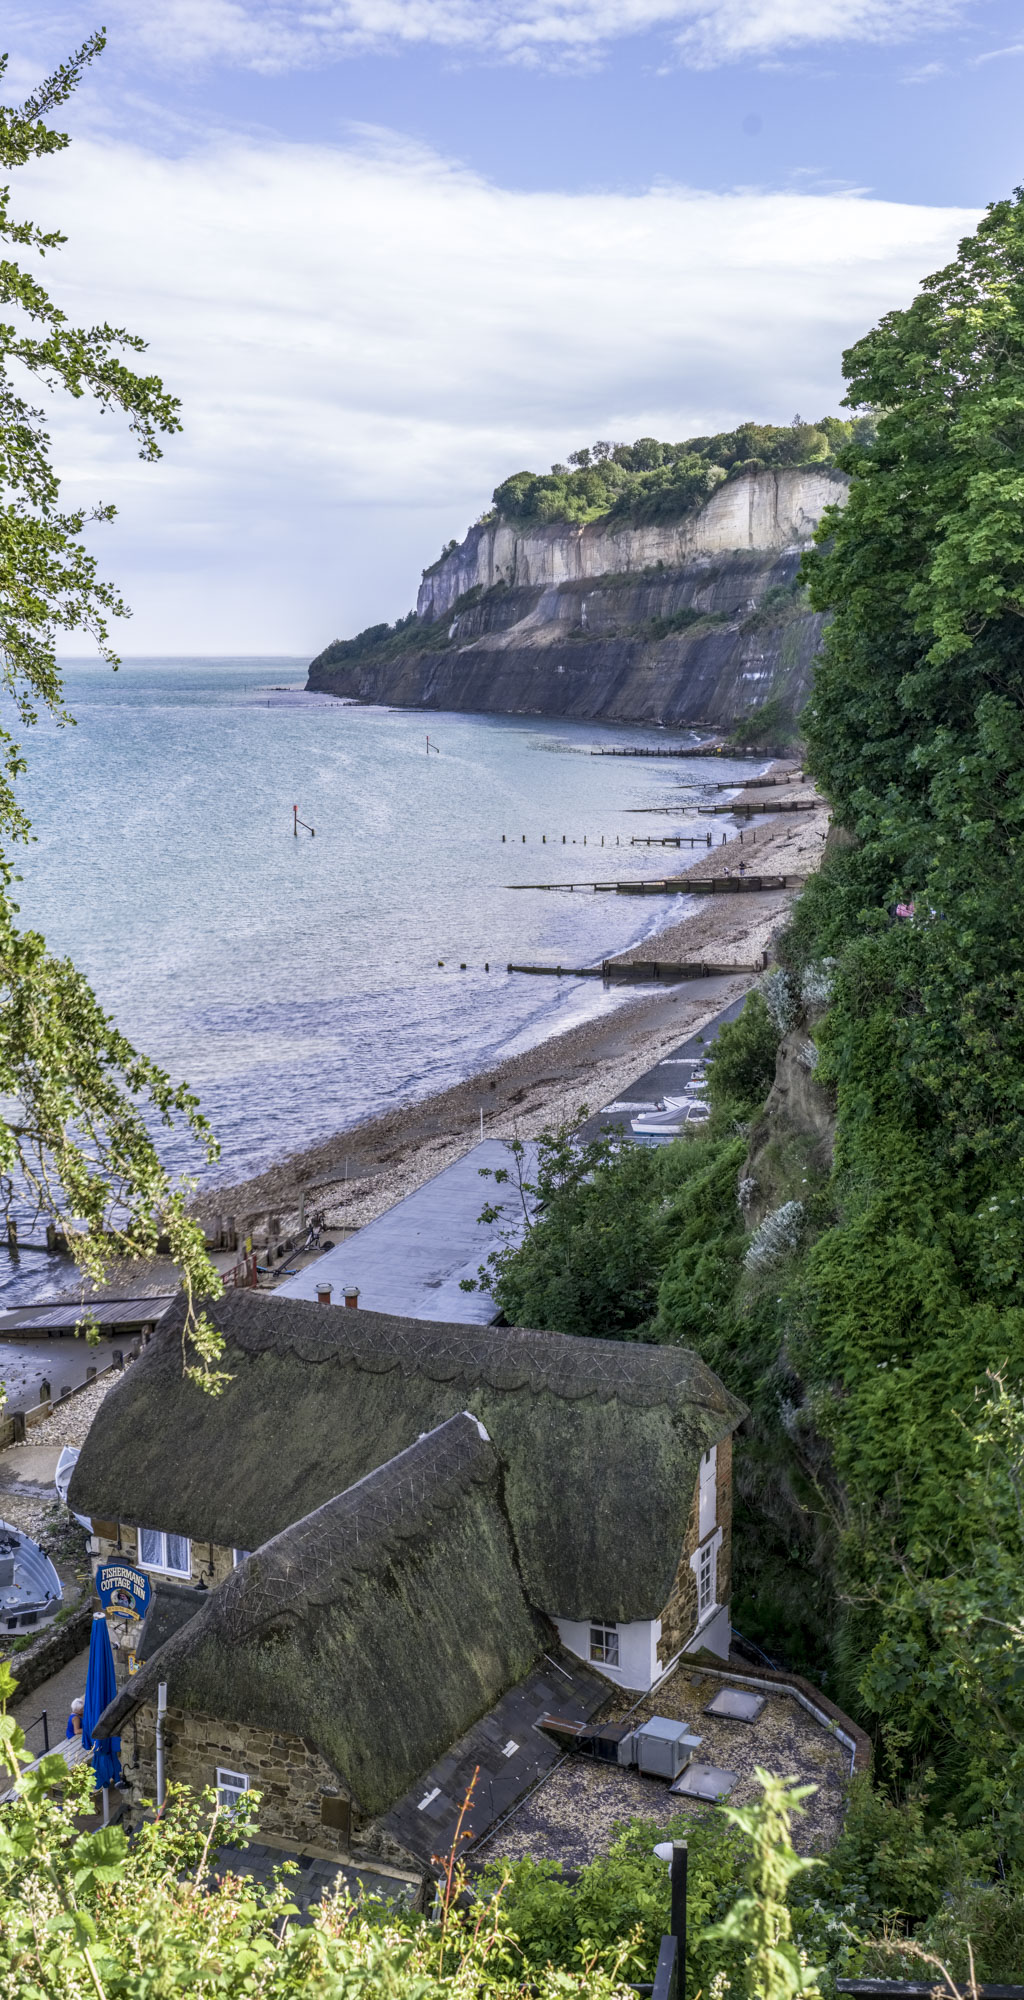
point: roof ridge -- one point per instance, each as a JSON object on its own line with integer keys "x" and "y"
{"x": 569, "y": 1366}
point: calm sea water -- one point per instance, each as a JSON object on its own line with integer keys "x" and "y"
{"x": 295, "y": 982}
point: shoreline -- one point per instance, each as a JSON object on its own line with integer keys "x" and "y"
{"x": 361, "y": 1171}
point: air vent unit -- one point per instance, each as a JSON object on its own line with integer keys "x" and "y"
{"x": 663, "y": 1747}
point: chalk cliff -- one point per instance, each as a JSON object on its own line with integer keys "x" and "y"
{"x": 692, "y": 621}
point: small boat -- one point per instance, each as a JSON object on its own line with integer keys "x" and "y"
{"x": 30, "y": 1589}
{"x": 676, "y": 1117}
{"x": 62, "y": 1480}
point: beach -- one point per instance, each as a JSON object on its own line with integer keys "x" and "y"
{"x": 358, "y": 1173}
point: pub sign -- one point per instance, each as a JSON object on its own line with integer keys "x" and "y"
{"x": 123, "y": 1589}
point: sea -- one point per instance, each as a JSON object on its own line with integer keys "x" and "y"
{"x": 274, "y": 893}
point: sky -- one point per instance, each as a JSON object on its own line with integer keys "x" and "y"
{"x": 389, "y": 251}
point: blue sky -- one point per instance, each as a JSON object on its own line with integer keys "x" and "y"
{"x": 390, "y": 250}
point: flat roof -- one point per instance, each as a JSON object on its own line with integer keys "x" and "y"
{"x": 63, "y": 1317}
{"x": 410, "y": 1260}
{"x": 571, "y": 1815}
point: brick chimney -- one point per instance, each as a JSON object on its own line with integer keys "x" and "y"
{"x": 323, "y": 1294}
{"x": 352, "y": 1295}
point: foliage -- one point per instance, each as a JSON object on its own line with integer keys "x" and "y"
{"x": 774, "y": 1966}
{"x": 75, "y": 1137}
{"x": 625, "y": 1893}
{"x": 772, "y": 727}
{"x": 652, "y": 481}
{"x": 872, "y": 1477}
{"x": 601, "y": 1227}
{"x": 741, "y": 1066}
{"x": 916, "y": 1293}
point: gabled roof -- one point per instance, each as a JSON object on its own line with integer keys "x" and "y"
{"x": 599, "y": 1440}
{"x": 377, "y": 1629}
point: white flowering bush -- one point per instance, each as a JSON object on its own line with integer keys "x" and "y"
{"x": 817, "y": 983}
{"x": 779, "y": 998}
{"x": 776, "y": 1237}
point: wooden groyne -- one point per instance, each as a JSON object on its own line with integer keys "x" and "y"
{"x": 746, "y": 807}
{"x": 636, "y": 972}
{"x": 680, "y": 885}
{"x": 639, "y": 750}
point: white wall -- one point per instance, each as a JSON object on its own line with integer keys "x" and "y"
{"x": 714, "y": 1635}
{"x": 638, "y": 1650}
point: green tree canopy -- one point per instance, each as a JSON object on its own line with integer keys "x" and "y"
{"x": 78, "y": 1102}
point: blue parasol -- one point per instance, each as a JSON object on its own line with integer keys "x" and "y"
{"x": 100, "y": 1689}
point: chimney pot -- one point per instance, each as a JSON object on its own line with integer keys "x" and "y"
{"x": 323, "y": 1294}
{"x": 352, "y": 1295}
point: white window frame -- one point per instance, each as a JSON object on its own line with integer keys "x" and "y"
{"x": 604, "y": 1645}
{"x": 707, "y": 1496}
{"x": 707, "y": 1579}
{"x": 163, "y": 1567}
{"x": 239, "y": 1556}
{"x": 704, "y": 1564}
{"x": 231, "y": 1788}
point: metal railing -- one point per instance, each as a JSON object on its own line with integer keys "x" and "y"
{"x": 44, "y": 1719}
{"x": 910, "y": 1989}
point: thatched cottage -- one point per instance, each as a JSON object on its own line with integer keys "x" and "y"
{"x": 418, "y": 1537}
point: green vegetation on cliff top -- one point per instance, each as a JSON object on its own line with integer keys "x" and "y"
{"x": 651, "y": 481}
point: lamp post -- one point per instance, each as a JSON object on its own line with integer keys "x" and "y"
{"x": 670, "y": 1979}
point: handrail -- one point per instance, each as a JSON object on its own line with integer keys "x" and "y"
{"x": 43, "y": 1718}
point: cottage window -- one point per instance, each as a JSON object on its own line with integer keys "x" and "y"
{"x": 170, "y": 1553}
{"x": 604, "y": 1645}
{"x": 707, "y": 1578}
{"x": 706, "y": 1504}
{"x": 230, "y": 1787}
{"x": 238, "y": 1556}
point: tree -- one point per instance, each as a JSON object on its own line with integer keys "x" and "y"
{"x": 79, "y": 1102}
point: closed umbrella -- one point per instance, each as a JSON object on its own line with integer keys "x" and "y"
{"x": 100, "y": 1689}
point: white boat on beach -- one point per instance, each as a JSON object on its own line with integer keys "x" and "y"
{"x": 680, "y": 1115}
{"x": 30, "y": 1589}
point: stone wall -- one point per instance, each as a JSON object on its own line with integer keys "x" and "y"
{"x": 679, "y": 1617}
{"x": 209, "y": 1560}
{"x": 121, "y": 1544}
{"x": 303, "y": 1801}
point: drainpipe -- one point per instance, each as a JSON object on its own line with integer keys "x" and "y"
{"x": 161, "y": 1710}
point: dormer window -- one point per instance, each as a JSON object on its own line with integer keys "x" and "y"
{"x": 604, "y": 1645}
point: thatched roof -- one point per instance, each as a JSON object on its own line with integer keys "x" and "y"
{"x": 599, "y": 1439}
{"x": 377, "y": 1629}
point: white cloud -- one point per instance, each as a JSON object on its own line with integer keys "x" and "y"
{"x": 996, "y": 55}
{"x": 366, "y": 340}
{"x": 275, "y": 35}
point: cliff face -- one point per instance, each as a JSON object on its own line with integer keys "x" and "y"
{"x": 691, "y": 621}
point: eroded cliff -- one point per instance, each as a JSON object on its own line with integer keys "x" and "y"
{"x": 694, "y": 621}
